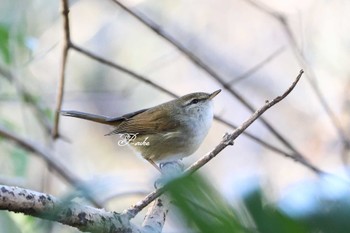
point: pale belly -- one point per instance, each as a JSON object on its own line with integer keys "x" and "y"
{"x": 173, "y": 146}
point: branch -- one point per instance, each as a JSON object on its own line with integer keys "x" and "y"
{"x": 83, "y": 217}
{"x": 311, "y": 77}
{"x": 257, "y": 67}
{"x": 49, "y": 158}
{"x": 229, "y": 138}
{"x": 121, "y": 68}
{"x": 66, "y": 46}
{"x": 226, "y": 141}
{"x": 154, "y": 219}
{"x": 156, "y": 214}
{"x": 69, "y": 213}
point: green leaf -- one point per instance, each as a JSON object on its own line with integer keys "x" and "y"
{"x": 48, "y": 113}
{"x": 332, "y": 217}
{"x": 4, "y": 43}
{"x": 269, "y": 219}
{"x": 203, "y": 207}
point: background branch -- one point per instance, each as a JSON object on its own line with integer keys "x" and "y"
{"x": 256, "y": 67}
{"x": 311, "y": 77}
{"x": 66, "y": 46}
{"x": 49, "y": 158}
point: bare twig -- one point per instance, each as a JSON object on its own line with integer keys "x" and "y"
{"x": 45, "y": 206}
{"x": 226, "y": 141}
{"x": 229, "y": 138}
{"x": 311, "y": 77}
{"x": 121, "y": 68}
{"x": 49, "y": 159}
{"x": 295, "y": 155}
{"x": 257, "y": 67}
{"x": 66, "y": 46}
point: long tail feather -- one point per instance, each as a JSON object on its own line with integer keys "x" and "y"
{"x": 90, "y": 117}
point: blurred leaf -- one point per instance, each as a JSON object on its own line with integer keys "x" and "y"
{"x": 203, "y": 206}
{"x": 4, "y": 43}
{"x": 48, "y": 113}
{"x": 13, "y": 36}
{"x": 268, "y": 219}
{"x": 333, "y": 217}
{"x": 29, "y": 98}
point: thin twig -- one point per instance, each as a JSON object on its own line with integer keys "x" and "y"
{"x": 311, "y": 77}
{"x": 47, "y": 156}
{"x": 121, "y": 68}
{"x": 295, "y": 155}
{"x": 66, "y": 46}
{"x": 200, "y": 63}
{"x": 229, "y": 138}
{"x": 257, "y": 67}
{"x": 226, "y": 141}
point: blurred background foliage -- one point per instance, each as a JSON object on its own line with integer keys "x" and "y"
{"x": 207, "y": 211}
{"x": 248, "y": 188}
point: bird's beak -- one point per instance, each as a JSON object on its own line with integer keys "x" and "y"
{"x": 215, "y": 93}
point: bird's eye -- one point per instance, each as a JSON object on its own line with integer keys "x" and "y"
{"x": 194, "y": 101}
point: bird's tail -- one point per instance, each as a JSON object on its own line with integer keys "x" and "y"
{"x": 90, "y": 117}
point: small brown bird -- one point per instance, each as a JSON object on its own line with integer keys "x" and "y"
{"x": 166, "y": 132}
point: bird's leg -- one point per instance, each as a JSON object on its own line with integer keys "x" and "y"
{"x": 158, "y": 183}
{"x": 154, "y": 164}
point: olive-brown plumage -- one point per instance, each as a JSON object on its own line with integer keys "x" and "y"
{"x": 173, "y": 130}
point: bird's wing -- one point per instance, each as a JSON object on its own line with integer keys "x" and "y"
{"x": 148, "y": 121}
{"x": 116, "y": 120}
